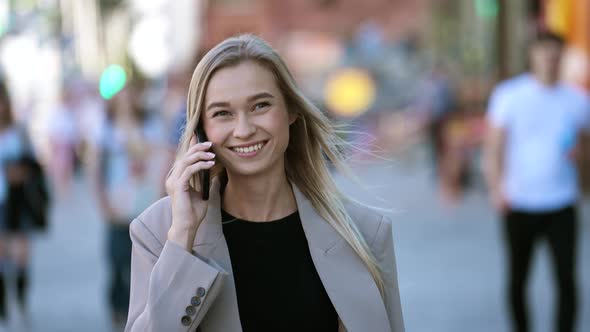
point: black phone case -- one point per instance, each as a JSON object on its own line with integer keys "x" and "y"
{"x": 204, "y": 175}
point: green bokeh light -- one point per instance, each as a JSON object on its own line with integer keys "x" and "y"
{"x": 487, "y": 8}
{"x": 112, "y": 81}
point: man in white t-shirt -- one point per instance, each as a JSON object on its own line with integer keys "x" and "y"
{"x": 534, "y": 125}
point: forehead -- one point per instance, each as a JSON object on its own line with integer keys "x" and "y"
{"x": 240, "y": 81}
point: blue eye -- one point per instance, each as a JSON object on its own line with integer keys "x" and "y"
{"x": 221, "y": 113}
{"x": 261, "y": 105}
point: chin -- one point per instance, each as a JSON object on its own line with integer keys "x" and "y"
{"x": 252, "y": 169}
{"x": 247, "y": 170}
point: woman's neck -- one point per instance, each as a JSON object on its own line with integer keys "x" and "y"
{"x": 259, "y": 198}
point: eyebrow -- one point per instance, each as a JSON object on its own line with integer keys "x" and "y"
{"x": 260, "y": 96}
{"x": 249, "y": 99}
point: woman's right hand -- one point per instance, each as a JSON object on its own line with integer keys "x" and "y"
{"x": 188, "y": 207}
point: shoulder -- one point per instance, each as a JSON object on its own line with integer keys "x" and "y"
{"x": 504, "y": 99}
{"x": 511, "y": 86}
{"x": 372, "y": 224}
{"x": 575, "y": 95}
{"x": 152, "y": 225}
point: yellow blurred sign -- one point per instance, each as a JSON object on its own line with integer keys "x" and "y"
{"x": 558, "y": 16}
{"x": 350, "y": 92}
{"x": 570, "y": 19}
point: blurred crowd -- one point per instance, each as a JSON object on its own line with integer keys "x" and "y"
{"x": 400, "y": 98}
{"x": 124, "y": 145}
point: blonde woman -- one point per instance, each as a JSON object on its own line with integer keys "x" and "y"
{"x": 276, "y": 247}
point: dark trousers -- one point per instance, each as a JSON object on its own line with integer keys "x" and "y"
{"x": 523, "y": 230}
{"x": 119, "y": 256}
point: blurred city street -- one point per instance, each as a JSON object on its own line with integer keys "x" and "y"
{"x": 99, "y": 98}
{"x": 450, "y": 260}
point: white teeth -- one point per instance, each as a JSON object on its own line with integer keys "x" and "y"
{"x": 249, "y": 148}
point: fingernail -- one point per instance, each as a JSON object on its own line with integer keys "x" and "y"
{"x": 211, "y": 161}
{"x": 210, "y": 154}
{"x": 207, "y": 143}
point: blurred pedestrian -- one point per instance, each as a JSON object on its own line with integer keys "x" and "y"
{"x": 276, "y": 247}
{"x": 64, "y": 137}
{"x": 90, "y": 117}
{"x": 16, "y": 215}
{"x": 534, "y": 126}
{"x": 437, "y": 104}
{"x": 121, "y": 165}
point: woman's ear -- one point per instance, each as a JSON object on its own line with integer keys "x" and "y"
{"x": 292, "y": 117}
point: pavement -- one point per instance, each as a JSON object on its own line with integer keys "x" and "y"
{"x": 450, "y": 259}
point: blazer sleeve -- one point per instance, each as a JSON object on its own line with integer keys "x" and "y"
{"x": 172, "y": 290}
{"x": 385, "y": 255}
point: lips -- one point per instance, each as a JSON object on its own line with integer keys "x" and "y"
{"x": 248, "y": 150}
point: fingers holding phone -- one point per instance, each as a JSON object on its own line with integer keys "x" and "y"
{"x": 188, "y": 206}
{"x": 198, "y": 160}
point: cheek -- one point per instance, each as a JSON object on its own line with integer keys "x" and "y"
{"x": 217, "y": 136}
{"x": 216, "y": 133}
{"x": 278, "y": 125}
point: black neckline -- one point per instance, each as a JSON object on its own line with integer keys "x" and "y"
{"x": 227, "y": 216}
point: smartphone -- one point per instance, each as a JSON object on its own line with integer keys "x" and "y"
{"x": 204, "y": 175}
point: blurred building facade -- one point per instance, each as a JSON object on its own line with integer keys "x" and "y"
{"x": 397, "y": 44}
{"x": 273, "y": 19}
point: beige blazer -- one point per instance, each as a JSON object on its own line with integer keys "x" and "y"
{"x": 174, "y": 290}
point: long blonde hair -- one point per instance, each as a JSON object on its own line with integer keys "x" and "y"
{"x": 312, "y": 138}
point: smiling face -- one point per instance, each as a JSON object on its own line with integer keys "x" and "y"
{"x": 246, "y": 118}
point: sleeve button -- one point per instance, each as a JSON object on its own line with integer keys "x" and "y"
{"x": 190, "y": 310}
{"x": 196, "y": 301}
{"x": 185, "y": 320}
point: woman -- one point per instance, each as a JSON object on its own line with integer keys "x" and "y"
{"x": 15, "y": 224}
{"x": 276, "y": 247}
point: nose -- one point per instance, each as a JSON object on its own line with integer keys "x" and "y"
{"x": 244, "y": 128}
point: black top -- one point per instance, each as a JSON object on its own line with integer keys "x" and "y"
{"x": 277, "y": 285}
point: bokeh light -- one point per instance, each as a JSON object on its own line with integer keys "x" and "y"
{"x": 350, "y": 92}
{"x": 112, "y": 81}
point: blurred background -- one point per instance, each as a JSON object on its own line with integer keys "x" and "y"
{"x": 99, "y": 86}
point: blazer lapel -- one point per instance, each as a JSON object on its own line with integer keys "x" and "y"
{"x": 223, "y": 315}
{"x": 347, "y": 281}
